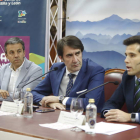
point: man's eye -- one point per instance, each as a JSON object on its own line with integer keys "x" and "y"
{"x": 132, "y": 55}
{"x": 77, "y": 53}
{"x": 19, "y": 51}
{"x": 69, "y": 55}
{"x": 11, "y": 52}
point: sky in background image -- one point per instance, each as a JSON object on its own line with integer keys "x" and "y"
{"x": 101, "y": 9}
{"x": 102, "y": 25}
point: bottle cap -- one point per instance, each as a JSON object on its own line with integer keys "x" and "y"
{"x": 28, "y": 89}
{"x": 91, "y": 101}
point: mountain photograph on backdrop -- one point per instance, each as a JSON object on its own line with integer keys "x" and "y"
{"x": 103, "y": 39}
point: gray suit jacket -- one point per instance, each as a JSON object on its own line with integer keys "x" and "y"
{"x": 29, "y": 72}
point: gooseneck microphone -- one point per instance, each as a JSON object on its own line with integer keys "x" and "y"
{"x": 114, "y": 82}
{"x": 55, "y": 68}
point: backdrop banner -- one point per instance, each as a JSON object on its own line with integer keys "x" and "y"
{"x": 25, "y": 19}
{"x": 102, "y": 25}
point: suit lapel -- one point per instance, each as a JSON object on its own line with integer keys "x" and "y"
{"x": 6, "y": 79}
{"x": 79, "y": 78}
{"x": 59, "y": 78}
{"x": 130, "y": 86}
{"x": 23, "y": 72}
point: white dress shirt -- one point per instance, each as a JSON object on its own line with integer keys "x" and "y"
{"x": 13, "y": 79}
{"x": 64, "y": 83}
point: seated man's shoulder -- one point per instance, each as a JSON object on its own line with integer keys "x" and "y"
{"x": 59, "y": 65}
{"x": 32, "y": 65}
{"x": 3, "y": 67}
{"x": 92, "y": 65}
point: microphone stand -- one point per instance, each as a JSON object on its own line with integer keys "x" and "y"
{"x": 56, "y": 68}
{"x": 116, "y": 83}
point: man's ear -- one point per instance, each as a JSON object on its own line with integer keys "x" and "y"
{"x": 6, "y": 55}
{"x": 61, "y": 58}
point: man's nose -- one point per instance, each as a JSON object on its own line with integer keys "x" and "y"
{"x": 126, "y": 60}
{"x": 74, "y": 58}
{"x": 16, "y": 54}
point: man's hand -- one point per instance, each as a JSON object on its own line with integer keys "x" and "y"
{"x": 4, "y": 93}
{"x": 57, "y": 105}
{"x": 49, "y": 99}
{"x": 117, "y": 116}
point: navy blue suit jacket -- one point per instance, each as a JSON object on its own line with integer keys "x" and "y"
{"x": 123, "y": 94}
{"x": 89, "y": 76}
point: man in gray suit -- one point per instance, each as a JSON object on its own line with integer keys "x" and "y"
{"x": 19, "y": 71}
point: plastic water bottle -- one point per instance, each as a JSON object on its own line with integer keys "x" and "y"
{"x": 28, "y": 104}
{"x": 91, "y": 115}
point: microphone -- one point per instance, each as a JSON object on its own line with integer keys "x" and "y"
{"x": 114, "y": 82}
{"x": 55, "y": 68}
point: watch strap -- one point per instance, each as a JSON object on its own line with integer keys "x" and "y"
{"x": 133, "y": 117}
{"x": 61, "y": 98}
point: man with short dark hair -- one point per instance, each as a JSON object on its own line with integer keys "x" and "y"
{"x": 19, "y": 71}
{"x": 74, "y": 74}
{"x": 129, "y": 90}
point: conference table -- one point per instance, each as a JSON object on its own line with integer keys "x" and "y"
{"x": 30, "y": 127}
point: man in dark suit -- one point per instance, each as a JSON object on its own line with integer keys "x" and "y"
{"x": 128, "y": 90}
{"x": 87, "y": 76}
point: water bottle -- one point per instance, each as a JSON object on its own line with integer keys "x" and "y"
{"x": 28, "y": 104}
{"x": 91, "y": 115}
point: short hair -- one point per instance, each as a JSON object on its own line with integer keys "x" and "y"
{"x": 70, "y": 41}
{"x": 132, "y": 40}
{"x": 14, "y": 40}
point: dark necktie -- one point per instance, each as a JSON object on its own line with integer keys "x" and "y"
{"x": 137, "y": 96}
{"x": 70, "y": 84}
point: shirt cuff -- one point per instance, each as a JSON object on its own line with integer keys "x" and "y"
{"x": 65, "y": 100}
{"x": 40, "y": 103}
{"x": 137, "y": 117}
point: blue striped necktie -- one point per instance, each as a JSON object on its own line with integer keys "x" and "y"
{"x": 70, "y": 84}
{"x": 137, "y": 96}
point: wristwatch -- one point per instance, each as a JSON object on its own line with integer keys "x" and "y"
{"x": 61, "y": 98}
{"x": 133, "y": 117}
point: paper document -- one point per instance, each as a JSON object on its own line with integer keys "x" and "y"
{"x": 66, "y": 120}
{"x": 108, "y": 128}
{"x": 57, "y": 125}
{"x": 5, "y": 113}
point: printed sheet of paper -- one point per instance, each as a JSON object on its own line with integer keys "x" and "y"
{"x": 57, "y": 125}
{"x": 2, "y": 113}
{"x": 108, "y": 128}
{"x": 11, "y": 107}
{"x": 69, "y": 118}
{"x": 66, "y": 120}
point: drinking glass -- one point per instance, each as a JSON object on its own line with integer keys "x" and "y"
{"x": 77, "y": 109}
{"x": 18, "y": 98}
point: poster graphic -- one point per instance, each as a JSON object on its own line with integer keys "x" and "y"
{"x": 25, "y": 18}
{"x": 102, "y": 26}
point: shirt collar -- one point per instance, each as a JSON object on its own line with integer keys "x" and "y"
{"x": 19, "y": 68}
{"x": 67, "y": 72}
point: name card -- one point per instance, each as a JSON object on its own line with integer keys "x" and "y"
{"x": 11, "y": 107}
{"x": 69, "y": 118}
